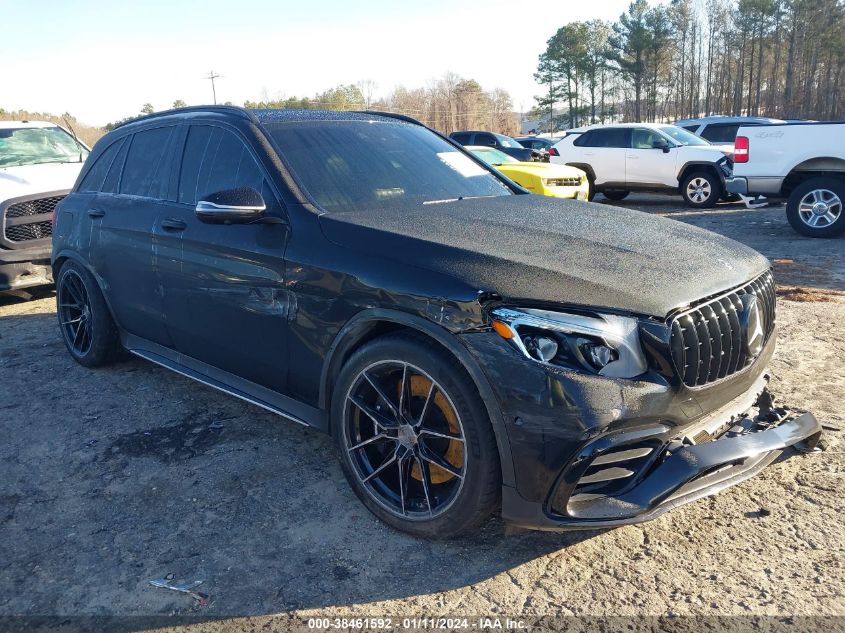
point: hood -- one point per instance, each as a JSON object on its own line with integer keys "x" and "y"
{"x": 26, "y": 180}
{"x": 542, "y": 249}
{"x": 706, "y": 152}
{"x": 543, "y": 170}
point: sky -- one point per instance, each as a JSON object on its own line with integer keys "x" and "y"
{"x": 101, "y": 60}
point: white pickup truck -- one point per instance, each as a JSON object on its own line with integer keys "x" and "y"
{"x": 802, "y": 162}
{"x": 39, "y": 163}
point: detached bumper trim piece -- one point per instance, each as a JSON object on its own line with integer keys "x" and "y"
{"x": 688, "y": 474}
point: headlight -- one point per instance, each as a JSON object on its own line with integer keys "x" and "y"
{"x": 604, "y": 344}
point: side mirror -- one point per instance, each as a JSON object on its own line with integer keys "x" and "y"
{"x": 662, "y": 144}
{"x": 231, "y": 206}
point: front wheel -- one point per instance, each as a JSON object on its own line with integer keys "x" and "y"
{"x": 701, "y": 189}
{"x": 414, "y": 438}
{"x": 814, "y": 207}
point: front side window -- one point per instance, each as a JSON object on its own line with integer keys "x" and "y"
{"x": 357, "y": 165}
{"x": 681, "y": 136}
{"x": 485, "y": 139}
{"x": 643, "y": 138}
{"x": 37, "y": 145}
{"x": 147, "y": 170}
{"x": 504, "y": 141}
{"x": 214, "y": 160}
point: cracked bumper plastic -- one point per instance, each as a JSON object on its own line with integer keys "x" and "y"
{"x": 686, "y": 474}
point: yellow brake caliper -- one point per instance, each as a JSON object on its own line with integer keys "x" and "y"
{"x": 455, "y": 451}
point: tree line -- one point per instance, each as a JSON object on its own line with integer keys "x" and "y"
{"x": 689, "y": 58}
{"x": 446, "y": 104}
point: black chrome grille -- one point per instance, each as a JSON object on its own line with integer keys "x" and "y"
{"x": 708, "y": 342}
{"x": 26, "y": 232}
{"x": 33, "y": 207}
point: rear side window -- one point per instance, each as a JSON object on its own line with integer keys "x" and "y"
{"x": 461, "y": 138}
{"x": 147, "y": 169}
{"x": 720, "y": 133}
{"x": 611, "y": 137}
{"x": 112, "y": 181}
{"x": 690, "y": 128}
{"x": 216, "y": 159}
{"x": 93, "y": 180}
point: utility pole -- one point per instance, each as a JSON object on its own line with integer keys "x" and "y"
{"x": 212, "y": 77}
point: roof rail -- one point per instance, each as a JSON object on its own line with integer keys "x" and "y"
{"x": 391, "y": 115}
{"x": 227, "y": 109}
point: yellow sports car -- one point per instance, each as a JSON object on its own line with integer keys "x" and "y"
{"x": 546, "y": 179}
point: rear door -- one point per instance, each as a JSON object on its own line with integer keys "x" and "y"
{"x": 647, "y": 164}
{"x": 223, "y": 285}
{"x": 124, "y": 214}
{"x": 603, "y": 149}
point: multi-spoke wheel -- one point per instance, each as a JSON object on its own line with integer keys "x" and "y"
{"x": 414, "y": 440}
{"x": 84, "y": 319}
{"x": 74, "y": 311}
{"x": 815, "y": 207}
{"x": 701, "y": 189}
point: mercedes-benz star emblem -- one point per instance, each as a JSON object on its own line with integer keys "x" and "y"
{"x": 752, "y": 325}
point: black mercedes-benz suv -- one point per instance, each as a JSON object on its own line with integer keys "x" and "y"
{"x": 469, "y": 346}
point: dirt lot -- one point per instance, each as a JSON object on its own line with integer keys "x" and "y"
{"x": 113, "y": 477}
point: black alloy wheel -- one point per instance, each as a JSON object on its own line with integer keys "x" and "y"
{"x": 74, "y": 308}
{"x": 405, "y": 440}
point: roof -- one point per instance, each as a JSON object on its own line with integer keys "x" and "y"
{"x": 723, "y": 118}
{"x": 277, "y": 115}
{"x": 6, "y": 125}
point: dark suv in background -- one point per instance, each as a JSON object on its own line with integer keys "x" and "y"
{"x": 468, "y": 346}
{"x": 501, "y": 142}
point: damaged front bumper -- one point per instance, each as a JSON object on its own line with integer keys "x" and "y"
{"x": 670, "y": 473}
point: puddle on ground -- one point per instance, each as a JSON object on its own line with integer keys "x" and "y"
{"x": 172, "y": 443}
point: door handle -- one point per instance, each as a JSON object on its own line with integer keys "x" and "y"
{"x": 172, "y": 224}
{"x": 96, "y": 213}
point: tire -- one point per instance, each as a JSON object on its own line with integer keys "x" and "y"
{"x": 701, "y": 189}
{"x": 808, "y": 200}
{"x": 591, "y": 191}
{"x": 441, "y": 403}
{"x": 86, "y": 324}
{"x": 615, "y": 194}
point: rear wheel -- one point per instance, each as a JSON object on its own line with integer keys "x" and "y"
{"x": 701, "y": 189}
{"x": 414, "y": 439}
{"x": 815, "y": 208}
{"x": 615, "y": 194}
{"x": 87, "y": 327}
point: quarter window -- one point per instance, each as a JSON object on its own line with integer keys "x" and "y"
{"x": 93, "y": 180}
{"x": 214, "y": 160}
{"x": 147, "y": 170}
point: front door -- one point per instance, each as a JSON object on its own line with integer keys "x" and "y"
{"x": 223, "y": 285}
{"x": 646, "y": 163}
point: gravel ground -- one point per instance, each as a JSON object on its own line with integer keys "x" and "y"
{"x": 112, "y": 477}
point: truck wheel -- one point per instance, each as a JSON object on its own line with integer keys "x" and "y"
{"x": 615, "y": 194}
{"x": 815, "y": 209}
{"x": 87, "y": 327}
{"x": 701, "y": 189}
{"x": 414, "y": 439}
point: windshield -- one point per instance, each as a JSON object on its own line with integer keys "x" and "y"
{"x": 354, "y": 165}
{"x": 506, "y": 141}
{"x": 35, "y": 145}
{"x": 492, "y": 156}
{"x": 682, "y": 137}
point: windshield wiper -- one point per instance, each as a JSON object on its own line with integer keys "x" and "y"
{"x": 459, "y": 198}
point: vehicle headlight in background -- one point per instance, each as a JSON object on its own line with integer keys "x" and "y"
{"x": 604, "y": 344}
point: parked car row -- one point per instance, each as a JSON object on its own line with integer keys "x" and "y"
{"x": 470, "y": 347}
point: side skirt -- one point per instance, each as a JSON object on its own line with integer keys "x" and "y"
{"x": 226, "y": 382}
